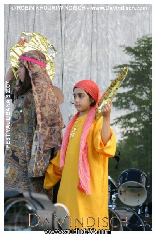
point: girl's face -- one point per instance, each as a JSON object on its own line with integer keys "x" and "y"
{"x": 21, "y": 71}
{"x": 81, "y": 101}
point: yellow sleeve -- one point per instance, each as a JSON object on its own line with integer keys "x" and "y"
{"x": 53, "y": 172}
{"x": 110, "y": 148}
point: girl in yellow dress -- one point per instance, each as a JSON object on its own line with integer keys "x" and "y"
{"x": 82, "y": 162}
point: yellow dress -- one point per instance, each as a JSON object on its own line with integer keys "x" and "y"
{"x": 86, "y": 211}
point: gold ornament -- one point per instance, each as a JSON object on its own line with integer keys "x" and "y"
{"x": 111, "y": 91}
{"x": 36, "y": 42}
{"x": 72, "y": 133}
{"x": 75, "y": 126}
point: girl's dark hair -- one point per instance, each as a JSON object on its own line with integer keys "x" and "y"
{"x": 93, "y": 103}
{"x": 23, "y": 87}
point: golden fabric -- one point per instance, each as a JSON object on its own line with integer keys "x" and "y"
{"x": 89, "y": 210}
{"x": 36, "y": 42}
{"x": 111, "y": 91}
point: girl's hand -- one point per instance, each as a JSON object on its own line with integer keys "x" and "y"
{"x": 106, "y": 110}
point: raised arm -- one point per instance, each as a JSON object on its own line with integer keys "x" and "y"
{"x": 9, "y": 75}
{"x": 106, "y": 132}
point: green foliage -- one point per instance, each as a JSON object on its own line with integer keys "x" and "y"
{"x": 135, "y": 145}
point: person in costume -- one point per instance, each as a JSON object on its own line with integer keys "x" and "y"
{"x": 82, "y": 162}
{"x": 35, "y": 107}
